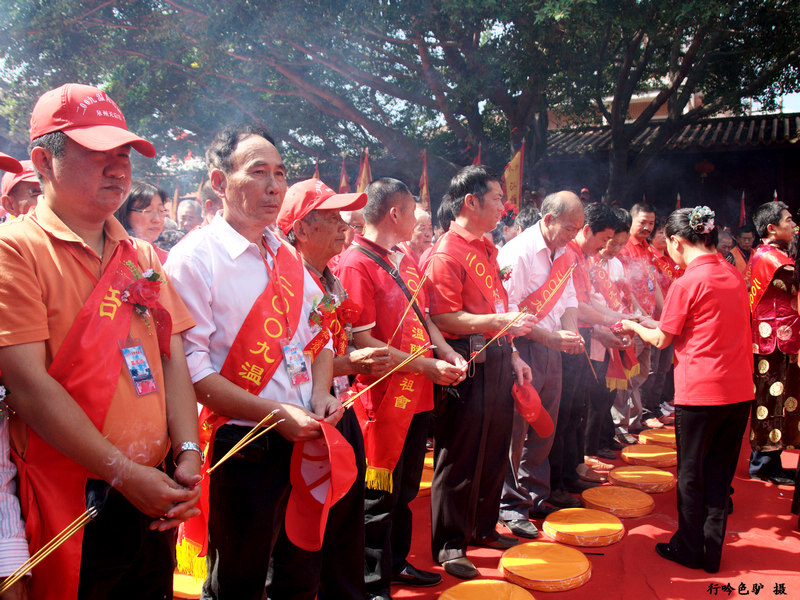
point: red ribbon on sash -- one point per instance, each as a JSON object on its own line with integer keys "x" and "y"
{"x": 761, "y": 269}
{"x": 542, "y": 300}
{"x": 385, "y": 427}
{"x": 87, "y": 365}
{"x": 663, "y": 265}
{"x": 254, "y": 357}
{"x": 622, "y": 364}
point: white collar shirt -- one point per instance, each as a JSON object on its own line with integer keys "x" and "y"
{"x": 219, "y": 275}
{"x": 529, "y": 259}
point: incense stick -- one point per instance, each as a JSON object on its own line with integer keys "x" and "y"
{"x": 591, "y": 366}
{"x": 505, "y": 328}
{"x": 247, "y": 438}
{"x": 48, "y": 548}
{"x": 416, "y": 354}
{"x": 405, "y": 312}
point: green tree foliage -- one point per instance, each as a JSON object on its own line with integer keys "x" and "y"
{"x": 334, "y": 76}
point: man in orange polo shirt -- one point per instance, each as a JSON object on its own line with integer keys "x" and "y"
{"x": 94, "y": 363}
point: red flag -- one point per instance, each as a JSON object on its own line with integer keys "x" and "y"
{"x": 512, "y": 178}
{"x": 424, "y": 192}
{"x": 344, "y": 183}
{"x": 741, "y": 211}
{"x": 775, "y": 196}
{"x": 188, "y": 156}
{"x": 477, "y": 159}
{"x": 644, "y": 199}
{"x": 364, "y": 173}
{"x": 678, "y": 202}
{"x": 316, "y": 170}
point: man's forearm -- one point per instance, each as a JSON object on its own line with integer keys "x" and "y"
{"x": 181, "y": 403}
{"x": 464, "y": 323}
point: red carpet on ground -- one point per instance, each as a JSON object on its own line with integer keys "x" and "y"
{"x": 761, "y": 556}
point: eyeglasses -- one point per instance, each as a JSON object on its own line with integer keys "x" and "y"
{"x": 356, "y": 228}
{"x": 149, "y": 213}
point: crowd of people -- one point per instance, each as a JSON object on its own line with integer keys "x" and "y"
{"x": 526, "y": 349}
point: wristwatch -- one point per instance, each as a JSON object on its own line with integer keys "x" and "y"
{"x": 194, "y": 447}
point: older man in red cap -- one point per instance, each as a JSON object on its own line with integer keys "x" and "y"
{"x": 94, "y": 364}
{"x": 310, "y": 219}
{"x": 19, "y": 192}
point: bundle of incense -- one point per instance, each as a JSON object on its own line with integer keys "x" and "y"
{"x": 48, "y": 548}
{"x": 416, "y": 354}
{"x": 405, "y": 312}
{"x": 251, "y": 435}
{"x": 505, "y": 328}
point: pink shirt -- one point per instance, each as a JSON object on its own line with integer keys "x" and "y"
{"x": 707, "y": 310}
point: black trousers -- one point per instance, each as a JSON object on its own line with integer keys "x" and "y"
{"x": 387, "y": 516}
{"x": 599, "y": 426}
{"x": 247, "y": 505}
{"x": 122, "y": 558}
{"x": 709, "y": 439}
{"x": 339, "y": 565}
{"x": 567, "y": 451}
{"x": 471, "y": 441}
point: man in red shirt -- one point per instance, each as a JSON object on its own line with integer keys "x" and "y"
{"x": 640, "y": 273}
{"x": 395, "y": 414}
{"x": 473, "y": 426}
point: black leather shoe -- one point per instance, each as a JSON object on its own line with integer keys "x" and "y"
{"x": 615, "y": 445}
{"x": 606, "y": 453}
{"x": 579, "y": 485}
{"x": 626, "y": 438}
{"x": 461, "y": 568}
{"x": 775, "y": 478}
{"x": 664, "y": 551}
{"x": 414, "y": 577}
{"x": 497, "y": 541}
{"x": 563, "y": 499}
{"x": 522, "y": 528}
{"x": 542, "y": 511}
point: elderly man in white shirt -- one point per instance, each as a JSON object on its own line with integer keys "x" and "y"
{"x": 222, "y": 272}
{"x": 530, "y": 256}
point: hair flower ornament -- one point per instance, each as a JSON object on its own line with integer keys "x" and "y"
{"x": 701, "y": 219}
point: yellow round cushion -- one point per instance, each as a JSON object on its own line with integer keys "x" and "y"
{"x": 545, "y": 566}
{"x": 486, "y": 589}
{"x": 619, "y": 501}
{"x": 663, "y": 437}
{"x": 186, "y": 586}
{"x": 646, "y": 479}
{"x": 425, "y": 482}
{"x": 652, "y": 455}
{"x": 584, "y": 527}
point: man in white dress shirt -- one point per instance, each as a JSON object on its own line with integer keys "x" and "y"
{"x": 234, "y": 273}
{"x": 531, "y": 257}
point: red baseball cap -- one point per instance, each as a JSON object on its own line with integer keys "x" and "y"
{"x": 9, "y": 163}
{"x": 312, "y": 194}
{"x": 12, "y": 179}
{"x": 88, "y": 116}
{"x": 322, "y": 472}
{"x": 529, "y": 405}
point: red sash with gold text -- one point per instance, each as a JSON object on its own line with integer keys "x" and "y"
{"x": 622, "y": 364}
{"x": 87, "y": 365}
{"x": 483, "y": 273}
{"x": 761, "y": 269}
{"x": 663, "y": 265}
{"x": 385, "y": 425}
{"x": 542, "y": 300}
{"x": 254, "y": 357}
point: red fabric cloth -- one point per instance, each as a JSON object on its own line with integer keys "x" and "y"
{"x": 382, "y": 302}
{"x": 707, "y": 312}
